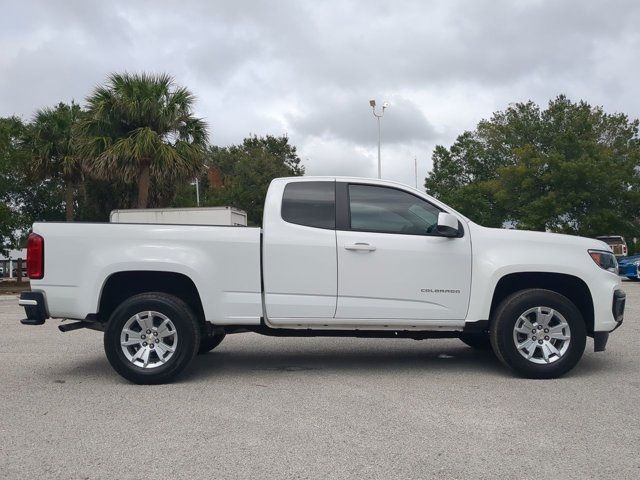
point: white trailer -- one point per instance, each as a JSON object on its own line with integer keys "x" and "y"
{"x": 182, "y": 216}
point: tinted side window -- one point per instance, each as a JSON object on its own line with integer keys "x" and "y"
{"x": 382, "y": 209}
{"x": 310, "y": 203}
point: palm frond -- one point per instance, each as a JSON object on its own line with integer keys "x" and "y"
{"x": 139, "y": 120}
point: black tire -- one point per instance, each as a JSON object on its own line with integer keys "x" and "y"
{"x": 209, "y": 342}
{"x": 478, "y": 341}
{"x": 504, "y": 322}
{"x": 186, "y": 325}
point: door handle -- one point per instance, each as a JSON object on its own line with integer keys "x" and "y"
{"x": 360, "y": 246}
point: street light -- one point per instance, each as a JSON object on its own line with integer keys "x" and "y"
{"x": 378, "y": 116}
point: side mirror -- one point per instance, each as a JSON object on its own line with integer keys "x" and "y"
{"x": 447, "y": 225}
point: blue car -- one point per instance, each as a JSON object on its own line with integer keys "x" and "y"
{"x": 628, "y": 267}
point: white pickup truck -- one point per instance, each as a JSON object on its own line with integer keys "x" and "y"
{"x": 334, "y": 257}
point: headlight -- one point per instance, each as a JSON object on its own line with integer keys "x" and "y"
{"x": 605, "y": 260}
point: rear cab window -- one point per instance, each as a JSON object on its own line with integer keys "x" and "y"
{"x": 312, "y": 204}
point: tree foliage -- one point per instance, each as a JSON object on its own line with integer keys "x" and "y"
{"x": 11, "y": 131}
{"x": 23, "y": 197}
{"x": 569, "y": 168}
{"x": 55, "y": 155}
{"x": 141, "y": 128}
{"x": 246, "y": 170}
{"x": 82, "y": 164}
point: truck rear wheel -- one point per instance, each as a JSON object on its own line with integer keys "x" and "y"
{"x": 538, "y": 333}
{"x": 151, "y": 338}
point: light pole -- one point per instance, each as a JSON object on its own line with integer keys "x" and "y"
{"x": 378, "y": 116}
{"x": 196, "y": 182}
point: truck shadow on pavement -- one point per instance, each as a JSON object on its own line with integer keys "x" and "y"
{"x": 453, "y": 360}
{"x": 237, "y": 361}
{"x": 363, "y": 361}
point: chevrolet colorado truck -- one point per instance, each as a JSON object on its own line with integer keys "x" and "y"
{"x": 334, "y": 257}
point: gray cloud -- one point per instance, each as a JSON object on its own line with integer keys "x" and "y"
{"x": 351, "y": 119}
{"x": 308, "y": 68}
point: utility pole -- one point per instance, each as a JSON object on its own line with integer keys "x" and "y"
{"x": 415, "y": 168}
{"x": 378, "y": 116}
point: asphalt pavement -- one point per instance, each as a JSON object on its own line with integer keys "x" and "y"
{"x": 331, "y": 408}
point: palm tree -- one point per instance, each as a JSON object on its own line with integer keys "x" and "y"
{"x": 141, "y": 128}
{"x": 55, "y": 156}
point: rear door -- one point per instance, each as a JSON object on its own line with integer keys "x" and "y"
{"x": 299, "y": 251}
{"x": 392, "y": 264}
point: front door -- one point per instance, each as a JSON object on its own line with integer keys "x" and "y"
{"x": 392, "y": 264}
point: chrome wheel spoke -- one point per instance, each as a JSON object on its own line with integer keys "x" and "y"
{"x": 544, "y": 318}
{"x": 557, "y": 328}
{"x": 552, "y": 348}
{"x": 138, "y": 354}
{"x": 163, "y": 330}
{"x": 526, "y": 345}
{"x": 545, "y": 352}
{"x": 145, "y": 356}
{"x": 145, "y": 322}
{"x": 524, "y": 326}
{"x": 165, "y": 347}
{"x": 526, "y": 323}
{"x": 132, "y": 338}
{"x": 162, "y": 350}
{"x": 558, "y": 336}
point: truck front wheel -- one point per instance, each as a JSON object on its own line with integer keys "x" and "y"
{"x": 538, "y": 333}
{"x": 151, "y": 338}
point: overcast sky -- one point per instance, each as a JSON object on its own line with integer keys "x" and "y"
{"x": 308, "y": 69}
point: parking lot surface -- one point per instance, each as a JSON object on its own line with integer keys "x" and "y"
{"x": 262, "y": 407}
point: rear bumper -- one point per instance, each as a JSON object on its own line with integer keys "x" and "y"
{"x": 35, "y": 308}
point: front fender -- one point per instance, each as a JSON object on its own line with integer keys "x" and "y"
{"x": 498, "y": 253}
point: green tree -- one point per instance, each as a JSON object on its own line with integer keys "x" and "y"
{"x": 54, "y": 152}
{"x": 141, "y": 129}
{"x": 23, "y": 197}
{"x": 245, "y": 172}
{"x": 12, "y": 163}
{"x": 569, "y": 168}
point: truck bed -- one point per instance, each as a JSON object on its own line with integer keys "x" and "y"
{"x": 223, "y": 263}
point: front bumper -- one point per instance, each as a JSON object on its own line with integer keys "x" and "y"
{"x": 35, "y": 308}
{"x": 619, "y": 300}
{"x": 617, "y": 309}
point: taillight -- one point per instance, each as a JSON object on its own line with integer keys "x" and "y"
{"x": 35, "y": 256}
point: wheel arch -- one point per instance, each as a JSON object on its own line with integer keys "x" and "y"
{"x": 119, "y": 286}
{"x": 570, "y": 286}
